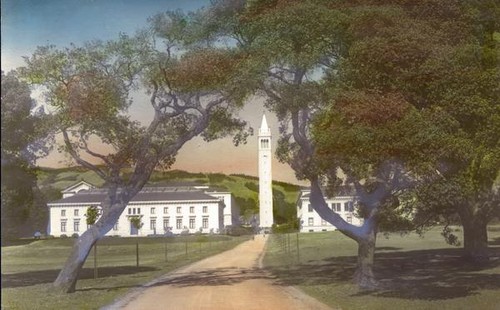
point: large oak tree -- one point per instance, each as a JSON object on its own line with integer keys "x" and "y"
{"x": 373, "y": 88}
{"x": 90, "y": 89}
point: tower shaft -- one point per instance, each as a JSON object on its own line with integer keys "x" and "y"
{"x": 265, "y": 176}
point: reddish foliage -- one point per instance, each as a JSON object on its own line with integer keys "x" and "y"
{"x": 203, "y": 70}
{"x": 371, "y": 108}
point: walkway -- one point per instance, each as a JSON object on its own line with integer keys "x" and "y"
{"x": 230, "y": 280}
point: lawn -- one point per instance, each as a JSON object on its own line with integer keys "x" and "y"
{"x": 415, "y": 272}
{"x": 29, "y": 269}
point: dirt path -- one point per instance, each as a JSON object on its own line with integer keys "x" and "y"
{"x": 230, "y": 280}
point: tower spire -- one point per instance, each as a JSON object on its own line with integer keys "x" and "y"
{"x": 263, "y": 126}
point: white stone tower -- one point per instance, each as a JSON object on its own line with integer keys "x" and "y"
{"x": 265, "y": 176}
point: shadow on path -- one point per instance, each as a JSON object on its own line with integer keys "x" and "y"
{"x": 424, "y": 274}
{"x": 214, "y": 277}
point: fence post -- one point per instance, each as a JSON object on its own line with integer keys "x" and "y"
{"x": 95, "y": 260}
{"x": 298, "y": 255}
{"x": 166, "y": 249}
{"x": 137, "y": 252}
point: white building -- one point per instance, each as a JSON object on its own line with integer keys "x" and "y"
{"x": 265, "y": 176}
{"x": 161, "y": 209}
{"x": 343, "y": 204}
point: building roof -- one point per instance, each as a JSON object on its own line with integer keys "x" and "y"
{"x": 147, "y": 194}
{"x": 76, "y": 185}
{"x": 340, "y": 191}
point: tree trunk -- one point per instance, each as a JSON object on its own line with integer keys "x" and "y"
{"x": 363, "y": 276}
{"x": 475, "y": 239}
{"x": 66, "y": 280}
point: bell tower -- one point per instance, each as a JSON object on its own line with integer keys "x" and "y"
{"x": 265, "y": 176}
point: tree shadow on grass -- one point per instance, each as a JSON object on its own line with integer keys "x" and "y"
{"x": 48, "y": 276}
{"x": 495, "y": 241}
{"x": 424, "y": 274}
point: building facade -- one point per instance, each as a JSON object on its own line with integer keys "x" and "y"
{"x": 161, "y": 210}
{"x": 265, "y": 176}
{"x": 343, "y": 204}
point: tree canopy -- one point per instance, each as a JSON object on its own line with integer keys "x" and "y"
{"x": 24, "y": 136}
{"x": 91, "y": 87}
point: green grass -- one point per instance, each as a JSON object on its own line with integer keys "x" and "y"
{"x": 29, "y": 269}
{"x": 414, "y": 272}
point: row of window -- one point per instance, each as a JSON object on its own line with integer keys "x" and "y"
{"x": 76, "y": 212}
{"x": 132, "y": 211}
{"x": 337, "y": 207}
{"x": 152, "y": 210}
{"x": 152, "y": 224}
{"x": 310, "y": 221}
{"x": 179, "y": 224}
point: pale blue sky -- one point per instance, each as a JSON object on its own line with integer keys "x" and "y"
{"x": 29, "y": 23}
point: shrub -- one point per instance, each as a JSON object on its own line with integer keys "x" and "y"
{"x": 75, "y": 235}
{"x": 63, "y": 236}
{"x": 252, "y": 186}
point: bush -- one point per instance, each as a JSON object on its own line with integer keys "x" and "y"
{"x": 239, "y": 230}
{"x": 75, "y": 235}
{"x": 63, "y": 236}
{"x": 284, "y": 228}
{"x": 252, "y": 186}
{"x": 49, "y": 237}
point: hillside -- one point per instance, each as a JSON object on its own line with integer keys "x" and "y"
{"x": 244, "y": 188}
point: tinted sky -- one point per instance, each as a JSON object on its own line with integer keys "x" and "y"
{"x": 29, "y": 23}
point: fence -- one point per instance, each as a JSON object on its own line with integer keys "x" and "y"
{"x": 288, "y": 243}
{"x": 155, "y": 251}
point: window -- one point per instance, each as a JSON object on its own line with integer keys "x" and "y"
{"x": 349, "y": 219}
{"x": 166, "y": 223}
{"x": 205, "y": 222}
{"x": 338, "y": 207}
{"x": 310, "y": 221}
{"x": 191, "y": 209}
{"x": 76, "y": 212}
{"x": 192, "y": 223}
{"x": 310, "y": 208}
{"x": 133, "y": 211}
{"x": 178, "y": 223}
{"x": 264, "y": 143}
{"x": 152, "y": 225}
{"x": 153, "y": 210}
{"x": 116, "y": 226}
{"x": 346, "y": 206}
{"x": 138, "y": 210}
{"x": 129, "y": 211}
{"x": 76, "y": 225}
{"x": 63, "y": 226}
{"x": 63, "y": 212}
{"x": 165, "y": 210}
{"x": 351, "y": 206}
{"x": 178, "y": 209}
{"x": 205, "y": 209}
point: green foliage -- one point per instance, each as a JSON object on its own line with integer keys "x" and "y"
{"x": 252, "y": 186}
{"x": 24, "y": 136}
{"x": 91, "y": 215}
{"x": 284, "y": 212}
{"x": 136, "y": 221}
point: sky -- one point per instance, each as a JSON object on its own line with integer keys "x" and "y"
{"x": 27, "y": 24}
